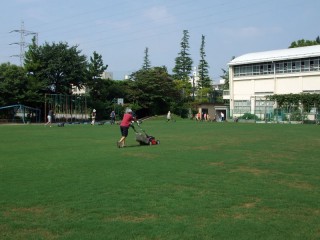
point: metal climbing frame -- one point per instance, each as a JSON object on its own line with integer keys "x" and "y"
{"x": 66, "y": 108}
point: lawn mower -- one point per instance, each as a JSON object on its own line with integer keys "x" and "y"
{"x": 143, "y": 138}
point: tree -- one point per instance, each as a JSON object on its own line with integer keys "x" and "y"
{"x": 96, "y": 67}
{"x": 153, "y": 90}
{"x": 304, "y": 43}
{"x": 94, "y": 81}
{"x": 56, "y": 66}
{"x": 225, "y": 76}
{"x": 183, "y": 63}
{"x": 204, "y": 79}
{"x": 13, "y": 84}
{"x": 146, "y": 62}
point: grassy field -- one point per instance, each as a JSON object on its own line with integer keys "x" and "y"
{"x": 204, "y": 181}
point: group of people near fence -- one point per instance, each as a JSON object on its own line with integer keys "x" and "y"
{"x": 206, "y": 117}
{"x": 203, "y": 117}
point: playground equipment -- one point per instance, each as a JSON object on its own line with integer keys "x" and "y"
{"x": 67, "y": 108}
{"x": 19, "y": 114}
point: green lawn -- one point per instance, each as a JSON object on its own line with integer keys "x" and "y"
{"x": 204, "y": 181}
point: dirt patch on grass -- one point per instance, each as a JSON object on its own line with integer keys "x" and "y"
{"x": 179, "y": 218}
{"x": 270, "y": 157}
{"x": 254, "y": 171}
{"x": 297, "y": 185}
{"x": 239, "y": 216}
{"x": 250, "y": 204}
{"x": 27, "y": 233}
{"x": 35, "y": 211}
{"x": 37, "y": 232}
{"x": 219, "y": 164}
{"x": 131, "y": 218}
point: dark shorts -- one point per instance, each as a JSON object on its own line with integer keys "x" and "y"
{"x": 124, "y": 131}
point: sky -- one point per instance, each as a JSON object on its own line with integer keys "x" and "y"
{"x": 121, "y": 30}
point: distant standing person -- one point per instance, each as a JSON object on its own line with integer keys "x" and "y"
{"x": 168, "y": 116}
{"x": 93, "y": 116}
{"x": 124, "y": 127}
{"x": 49, "y": 117}
{"x": 222, "y": 116}
{"x": 112, "y": 117}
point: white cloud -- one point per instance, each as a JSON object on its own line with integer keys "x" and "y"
{"x": 159, "y": 14}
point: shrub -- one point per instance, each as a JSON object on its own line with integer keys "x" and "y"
{"x": 249, "y": 116}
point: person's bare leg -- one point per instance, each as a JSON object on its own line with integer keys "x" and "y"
{"x": 122, "y": 141}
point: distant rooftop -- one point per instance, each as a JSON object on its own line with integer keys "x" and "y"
{"x": 277, "y": 55}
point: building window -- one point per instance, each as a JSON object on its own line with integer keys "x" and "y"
{"x": 264, "y": 106}
{"x": 242, "y": 106}
{"x": 290, "y": 66}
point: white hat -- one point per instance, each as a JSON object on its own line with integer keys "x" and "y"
{"x": 94, "y": 110}
{"x": 128, "y": 110}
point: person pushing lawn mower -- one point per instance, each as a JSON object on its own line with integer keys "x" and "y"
{"x": 124, "y": 127}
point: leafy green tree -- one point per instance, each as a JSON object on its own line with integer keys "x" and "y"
{"x": 204, "y": 79}
{"x": 153, "y": 90}
{"x": 304, "y": 43}
{"x": 293, "y": 100}
{"x": 13, "y": 84}
{"x": 183, "y": 63}
{"x": 203, "y": 94}
{"x": 56, "y": 66}
{"x": 105, "y": 94}
{"x": 146, "y": 61}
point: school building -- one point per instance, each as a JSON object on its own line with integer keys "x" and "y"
{"x": 253, "y": 76}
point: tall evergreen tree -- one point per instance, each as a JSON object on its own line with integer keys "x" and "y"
{"x": 183, "y": 66}
{"x": 95, "y": 82}
{"x": 96, "y": 66}
{"x": 146, "y": 62}
{"x": 204, "y": 79}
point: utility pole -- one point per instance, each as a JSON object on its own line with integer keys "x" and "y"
{"x": 22, "y": 43}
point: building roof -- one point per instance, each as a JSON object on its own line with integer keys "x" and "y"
{"x": 277, "y": 55}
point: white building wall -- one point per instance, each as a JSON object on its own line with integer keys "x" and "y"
{"x": 311, "y": 83}
{"x": 264, "y": 86}
{"x": 243, "y": 89}
{"x": 287, "y": 85}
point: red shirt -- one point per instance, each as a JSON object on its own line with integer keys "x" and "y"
{"x": 126, "y": 120}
